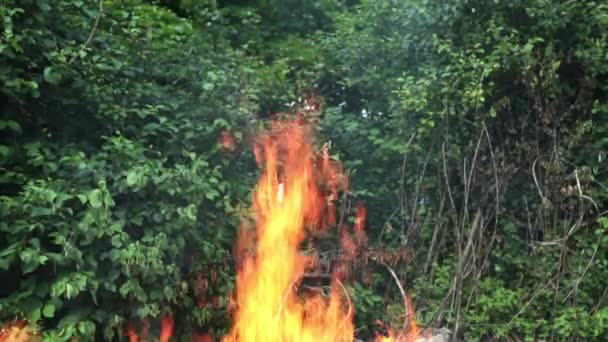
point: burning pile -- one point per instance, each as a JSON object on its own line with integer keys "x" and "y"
{"x": 295, "y": 194}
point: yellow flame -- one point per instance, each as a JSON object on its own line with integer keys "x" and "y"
{"x": 287, "y": 201}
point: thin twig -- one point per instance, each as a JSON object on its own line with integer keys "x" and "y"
{"x": 347, "y": 317}
{"x": 403, "y": 294}
{"x": 462, "y": 256}
{"x": 579, "y": 279}
{"x": 387, "y": 223}
{"x": 86, "y": 43}
{"x": 580, "y": 192}
{"x": 447, "y": 183}
{"x": 536, "y": 293}
{"x": 542, "y": 197}
{"x": 600, "y": 302}
{"x": 417, "y": 191}
{"x": 467, "y": 185}
{"x": 396, "y": 280}
{"x": 402, "y": 183}
{"x": 496, "y": 213}
{"x": 435, "y": 234}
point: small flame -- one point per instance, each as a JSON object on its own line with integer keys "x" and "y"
{"x": 131, "y": 333}
{"x": 204, "y": 337}
{"x": 18, "y": 331}
{"x": 226, "y": 141}
{"x": 411, "y": 332}
{"x": 166, "y": 328}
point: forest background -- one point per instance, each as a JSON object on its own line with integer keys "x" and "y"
{"x": 474, "y": 131}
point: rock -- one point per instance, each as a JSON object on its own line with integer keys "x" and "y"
{"x": 434, "y": 338}
{"x": 437, "y": 335}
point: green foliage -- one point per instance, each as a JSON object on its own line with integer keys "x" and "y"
{"x": 367, "y": 304}
{"x": 475, "y": 131}
{"x": 117, "y": 195}
{"x": 468, "y": 128}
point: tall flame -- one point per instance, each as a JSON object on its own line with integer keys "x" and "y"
{"x": 287, "y": 201}
{"x": 295, "y": 193}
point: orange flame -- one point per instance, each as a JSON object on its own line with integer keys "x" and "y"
{"x": 288, "y": 199}
{"x": 226, "y": 141}
{"x": 202, "y": 337}
{"x": 18, "y": 330}
{"x": 296, "y": 191}
{"x": 131, "y": 333}
{"x": 411, "y": 332}
{"x": 166, "y": 328}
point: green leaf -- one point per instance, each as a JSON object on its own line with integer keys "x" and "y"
{"x": 48, "y": 311}
{"x": 95, "y": 198}
{"x": 34, "y": 315}
{"x": 116, "y": 241}
{"x": 74, "y": 317}
{"x": 86, "y": 328}
{"x": 43, "y": 5}
{"x": 10, "y": 124}
{"x": 5, "y": 150}
{"x": 51, "y": 75}
{"x": 82, "y": 198}
{"x": 132, "y": 178}
{"x": 31, "y": 306}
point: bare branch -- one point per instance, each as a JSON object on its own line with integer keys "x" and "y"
{"x": 86, "y": 43}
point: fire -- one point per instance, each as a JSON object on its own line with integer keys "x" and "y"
{"x": 166, "y": 330}
{"x": 410, "y": 333}
{"x": 287, "y": 201}
{"x": 226, "y": 141}
{"x": 295, "y": 193}
{"x": 18, "y": 331}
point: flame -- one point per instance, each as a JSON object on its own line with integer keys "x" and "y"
{"x": 18, "y": 331}
{"x": 296, "y": 191}
{"x": 226, "y": 141}
{"x": 131, "y": 332}
{"x": 202, "y": 337}
{"x": 166, "y": 328}
{"x": 288, "y": 200}
{"x": 411, "y": 332}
